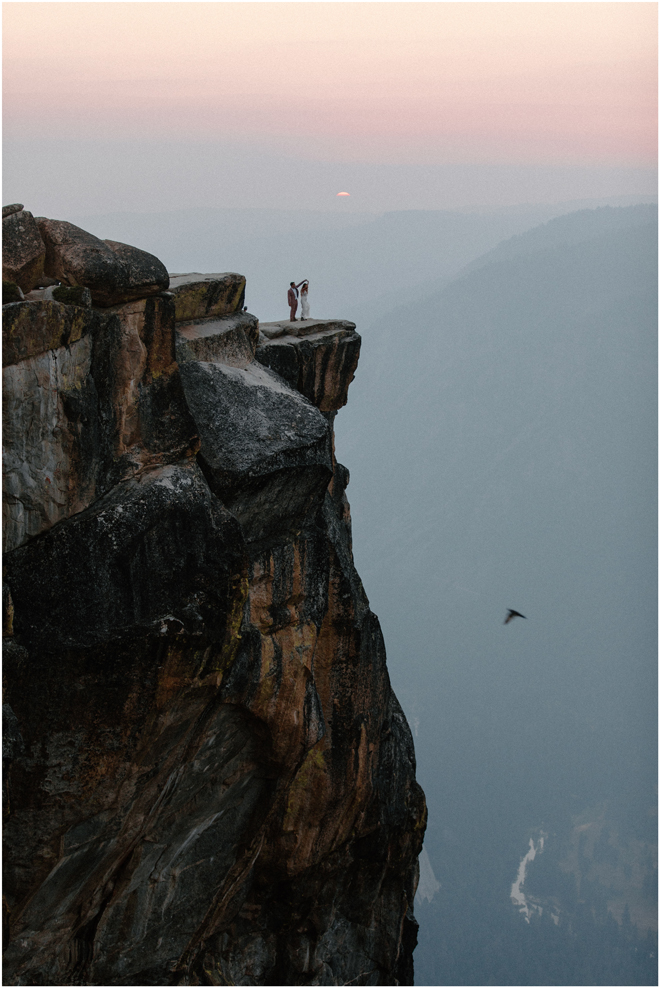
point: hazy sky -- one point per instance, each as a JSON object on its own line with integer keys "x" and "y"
{"x": 153, "y": 105}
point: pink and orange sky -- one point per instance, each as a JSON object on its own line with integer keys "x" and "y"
{"x": 561, "y": 85}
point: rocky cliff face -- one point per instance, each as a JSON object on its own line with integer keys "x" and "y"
{"x": 208, "y": 779}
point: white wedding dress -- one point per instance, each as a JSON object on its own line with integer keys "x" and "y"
{"x": 304, "y": 303}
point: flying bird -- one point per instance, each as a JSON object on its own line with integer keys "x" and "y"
{"x": 510, "y": 616}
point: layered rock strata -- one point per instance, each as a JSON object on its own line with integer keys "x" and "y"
{"x": 208, "y": 779}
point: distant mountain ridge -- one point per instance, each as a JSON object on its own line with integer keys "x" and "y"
{"x": 572, "y": 228}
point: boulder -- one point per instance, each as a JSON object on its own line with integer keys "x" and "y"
{"x": 145, "y": 274}
{"x": 320, "y": 365}
{"x": 265, "y": 450}
{"x": 204, "y": 296}
{"x": 23, "y": 250}
{"x": 113, "y": 272}
{"x": 14, "y": 208}
{"x": 76, "y": 257}
{"x": 229, "y": 340}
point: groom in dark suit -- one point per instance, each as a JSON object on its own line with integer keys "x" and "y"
{"x": 292, "y": 299}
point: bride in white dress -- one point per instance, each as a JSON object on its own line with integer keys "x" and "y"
{"x": 304, "y": 300}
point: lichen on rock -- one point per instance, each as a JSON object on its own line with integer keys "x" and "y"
{"x": 208, "y": 777}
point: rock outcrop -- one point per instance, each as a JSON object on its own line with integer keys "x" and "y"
{"x": 231, "y": 340}
{"x": 113, "y": 272}
{"x": 208, "y": 779}
{"x": 319, "y": 359}
{"x": 207, "y": 296}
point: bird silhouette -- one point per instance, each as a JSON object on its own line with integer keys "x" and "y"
{"x": 510, "y": 616}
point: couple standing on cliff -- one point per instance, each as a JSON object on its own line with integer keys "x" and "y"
{"x": 292, "y": 299}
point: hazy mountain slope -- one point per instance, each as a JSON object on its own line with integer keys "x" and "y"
{"x": 502, "y": 442}
{"x": 572, "y": 228}
{"x": 565, "y": 229}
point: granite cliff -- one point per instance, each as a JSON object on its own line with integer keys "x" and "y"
{"x": 207, "y": 776}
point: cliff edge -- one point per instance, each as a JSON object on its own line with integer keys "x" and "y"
{"x": 207, "y": 776}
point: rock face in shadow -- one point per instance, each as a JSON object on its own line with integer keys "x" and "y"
{"x": 319, "y": 361}
{"x": 208, "y": 779}
{"x": 95, "y": 399}
{"x": 266, "y": 452}
{"x": 82, "y": 582}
